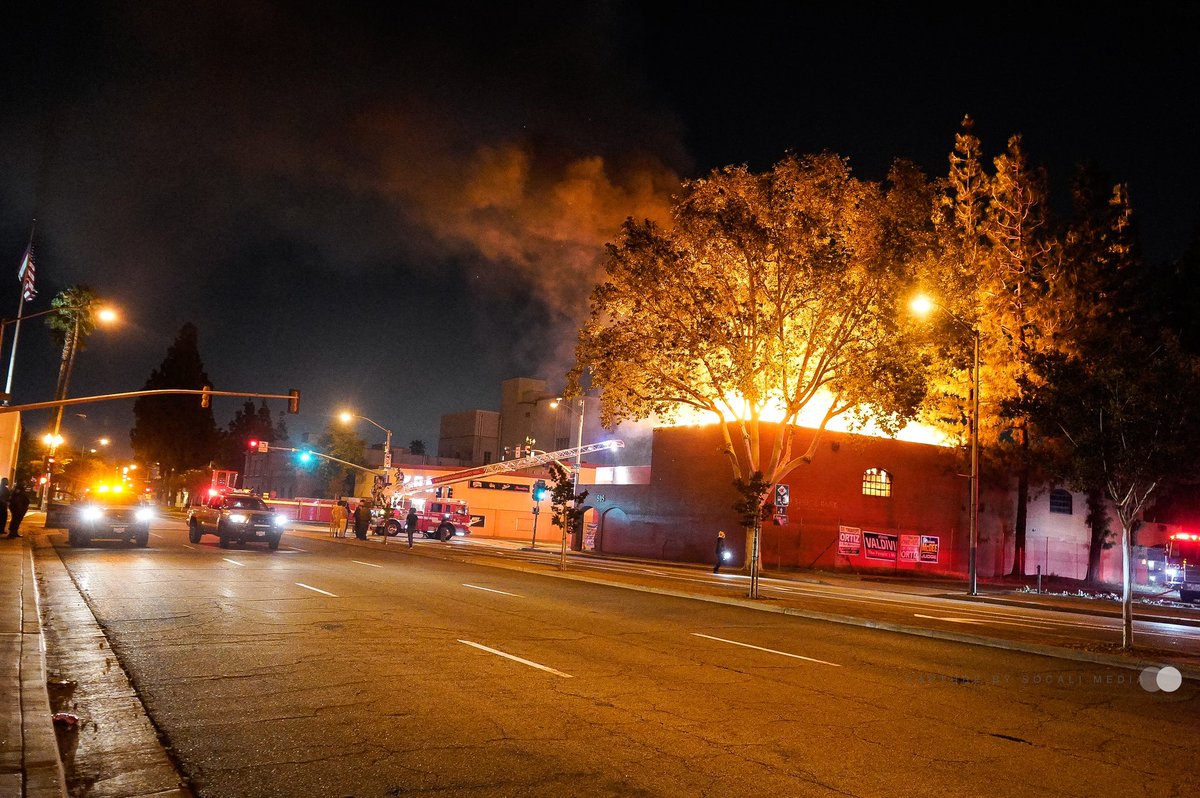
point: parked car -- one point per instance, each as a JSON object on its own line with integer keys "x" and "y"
{"x": 109, "y": 512}
{"x": 236, "y": 517}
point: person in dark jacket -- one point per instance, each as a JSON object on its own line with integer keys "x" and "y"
{"x": 362, "y": 520}
{"x": 18, "y": 505}
{"x": 720, "y": 551}
{"x": 410, "y": 524}
{"x": 5, "y": 495}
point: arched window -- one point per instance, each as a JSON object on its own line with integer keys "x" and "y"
{"x": 1061, "y": 502}
{"x": 877, "y": 482}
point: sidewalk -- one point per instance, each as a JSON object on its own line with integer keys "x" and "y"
{"x": 29, "y": 760}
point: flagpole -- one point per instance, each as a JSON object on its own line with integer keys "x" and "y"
{"x": 12, "y": 358}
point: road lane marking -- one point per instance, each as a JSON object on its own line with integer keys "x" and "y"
{"x": 516, "y": 659}
{"x": 979, "y": 621}
{"x": 490, "y": 590}
{"x": 235, "y": 562}
{"x": 372, "y": 564}
{"x": 186, "y": 546}
{"x": 316, "y": 590}
{"x": 768, "y": 650}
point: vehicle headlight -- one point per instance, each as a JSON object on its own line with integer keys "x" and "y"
{"x": 445, "y": 518}
{"x": 144, "y": 514}
{"x": 91, "y": 514}
{"x": 237, "y": 518}
{"x": 280, "y": 520}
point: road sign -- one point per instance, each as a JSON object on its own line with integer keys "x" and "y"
{"x": 782, "y": 495}
{"x": 264, "y": 447}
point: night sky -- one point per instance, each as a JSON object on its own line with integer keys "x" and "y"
{"x": 394, "y": 210}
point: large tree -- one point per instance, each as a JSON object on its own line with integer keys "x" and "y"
{"x": 175, "y": 431}
{"x": 768, "y": 294}
{"x": 1122, "y": 410}
{"x": 1003, "y": 289}
{"x": 249, "y": 423}
{"x": 344, "y": 444}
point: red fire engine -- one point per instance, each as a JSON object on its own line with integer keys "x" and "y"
{"x": 1183, "y": 564}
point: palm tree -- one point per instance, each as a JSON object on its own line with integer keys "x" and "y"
{"x": 70, "y": 327}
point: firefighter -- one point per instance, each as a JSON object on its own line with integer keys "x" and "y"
{"x": 410, "y": 524}
{"x": 362, "y": 520}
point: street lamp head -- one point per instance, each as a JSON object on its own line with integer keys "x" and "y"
{"x": 921, "y": 305}
{"x": 346, "y": 416}
{"x": 50, "y": 439}
{"x": 106, "y": 315}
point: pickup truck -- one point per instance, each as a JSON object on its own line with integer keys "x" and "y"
{"x": 236, "y": 518}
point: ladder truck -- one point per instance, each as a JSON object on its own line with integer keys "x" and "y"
{"x": 445, "y": 517}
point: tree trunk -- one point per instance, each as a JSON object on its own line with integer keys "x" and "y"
{"x": 755, "y": 556}
{"x": 1126, "y": 585}
{"x": 1022, "y": 521}
{"x": 64, "y": 372}
{"x": 1097, "y": 535}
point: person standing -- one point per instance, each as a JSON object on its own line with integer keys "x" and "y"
{"x": 337, "y": 519}
{"x": 18, "y": 505}
{"x": 720, "y": 550}
{"x": 5, "y": 497}
{"x": 345, "y": 515}
{"x": 362, "y": 520}
{"x": 410, "y": 524}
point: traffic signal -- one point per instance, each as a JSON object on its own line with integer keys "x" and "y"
{"x": 305, "y": 456}
{"x": 449, "y": 492}
{"x": 206, "y": 397}
{"x": 294, "y": 401}
{"x": 437, "y": 493}
{"x": 252, "y": 443}
{"x": 539, "y": 490}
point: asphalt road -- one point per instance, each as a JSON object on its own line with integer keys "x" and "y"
{"x": 334, "y": 669}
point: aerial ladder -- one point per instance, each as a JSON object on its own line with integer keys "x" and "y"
{"x": 504, "y": 466}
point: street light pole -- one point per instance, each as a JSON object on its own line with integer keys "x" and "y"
{"x": 921, "y": 305}
{"x": 562, "y": 561}
{"x": 387, "y": 450}
{"x": 972, "y": 557}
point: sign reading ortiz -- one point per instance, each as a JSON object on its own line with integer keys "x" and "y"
{"x": 929, "y": 548}
{"x": 880, "y": 546}
{"x": 849, "y": 541}
{"x": 910, "y": 547}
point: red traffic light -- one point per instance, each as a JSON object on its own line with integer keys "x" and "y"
{"x": 252, "y": 444}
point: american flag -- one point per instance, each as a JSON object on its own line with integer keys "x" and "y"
{"x": 26, "y": 275}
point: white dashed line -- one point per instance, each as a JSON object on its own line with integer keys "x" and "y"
{"x": 316, "y": 589}
{"x": 186, "y": 546}
{"x": 768, "y": 650}
{"x": 235, "y": 562}
{"x": 371, "y": 564}
{"x": 516, "y": 659}
{"x": 490, "y": 590}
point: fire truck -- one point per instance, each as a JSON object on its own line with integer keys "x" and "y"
{"x": 441, "y": 515}
{"x": 1183, "y": 564}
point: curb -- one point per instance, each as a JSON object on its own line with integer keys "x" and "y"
{"x": 44, "y": 773}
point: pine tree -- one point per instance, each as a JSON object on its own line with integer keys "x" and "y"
{"x": 1014, "y": 322}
